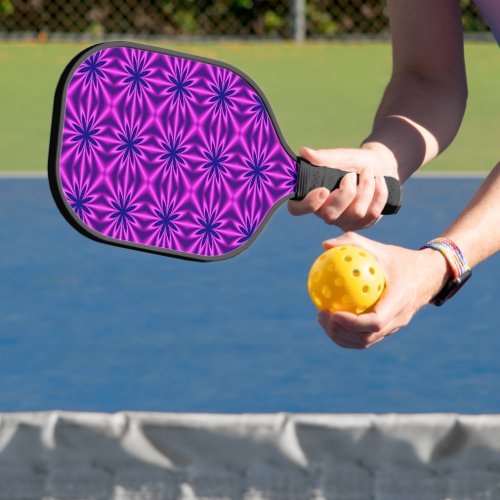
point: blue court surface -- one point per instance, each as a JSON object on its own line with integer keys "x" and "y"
{"x": 91, "y": 327}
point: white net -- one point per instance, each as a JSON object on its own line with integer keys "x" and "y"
{"x": 155, "y": 456}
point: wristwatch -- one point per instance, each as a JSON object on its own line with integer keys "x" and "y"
{"x": 460, "y": 270}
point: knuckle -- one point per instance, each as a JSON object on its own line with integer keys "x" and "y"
{"x": 378, "y": 325}
{"x": 330, "y": 216}
{"x": 349, "y": 227}
{"x": 373, "y": 213}
{"x": 365, "y": 343}
{"x": 330, "y": 220}
{"x": 358, "y": 212}
{"x": 369, "y": 222}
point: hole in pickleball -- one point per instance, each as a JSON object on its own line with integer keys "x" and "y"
{"x": 317, "y": 276}
{"x": 379, "y": 287}
{"x": 372, "y": 270}
{"x": 346, "y": 299}
{"x": 348, "y": 258}
{"x": 327, "y": 293}
{"x": 331, "y": 268}
{"x": 363, "y": 254}
{"x": 356, "y": 273}
{"x": 339, "y": 281}
{"x": 366, "y": 289}
{"x": 359, "y": 310}
{"x": 317, "y": 300}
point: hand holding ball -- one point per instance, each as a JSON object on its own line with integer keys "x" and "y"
{"x": 346, "y": 278}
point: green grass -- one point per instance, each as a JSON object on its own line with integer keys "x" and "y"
{"x": 323, "y": 94}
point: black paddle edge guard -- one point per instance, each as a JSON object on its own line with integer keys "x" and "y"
{"x": 56, "y": 132}
{"x": 311, "y": 177}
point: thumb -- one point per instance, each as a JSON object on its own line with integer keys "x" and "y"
{"x": 348, "y": 158}
{"x": 349, "y": 238}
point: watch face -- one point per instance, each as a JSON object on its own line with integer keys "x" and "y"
{"x": 451, "y": 288}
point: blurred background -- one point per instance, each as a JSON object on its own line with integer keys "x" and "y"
{"x": 283, "y": 19}
{"x": 324, "y": 91}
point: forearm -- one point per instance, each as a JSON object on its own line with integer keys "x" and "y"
{"x": 424, "y": 102}
{"x": 416, "y": 120}
{"x": 477, "y": 230}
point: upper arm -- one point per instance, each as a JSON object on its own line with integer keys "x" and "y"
{"x": 427, "y": 40}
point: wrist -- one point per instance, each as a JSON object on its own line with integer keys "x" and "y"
{"x": 387, "y": 158}
{"x": 437, "y": 272}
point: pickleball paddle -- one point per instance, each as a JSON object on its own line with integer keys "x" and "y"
{"x": 171, "y": 153}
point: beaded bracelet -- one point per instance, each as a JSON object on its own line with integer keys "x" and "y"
{"x": 460, "y": 269}
{"x": 452, "y": 254}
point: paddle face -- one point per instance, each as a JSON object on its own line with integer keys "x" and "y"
{"x": 165, "y": 152}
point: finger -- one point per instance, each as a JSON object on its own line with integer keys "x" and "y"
{"x": 338, "y": 201}
{"x": 365, "y": 191}
{"x": 362, "y": 324}
{"x": 366, "y": 209}
{"x": 338, "y": 334}
{"x": 346, "y": 338}
{"x": 372, "y": 343}
{"x": 345, "y": 344}
{"x": 361, "y": 340}
{"x": 385, "y": 318}
{"x": 311, "y": 203}
{"x": 375, "y": 339}
{"x": 378, "y": 250}
{"x": 380, "y": 196}
{"x": 348, "y": 238}
{"x": 341, "y": 340}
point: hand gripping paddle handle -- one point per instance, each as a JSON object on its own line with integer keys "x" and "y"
{"x": 310, "y": 177}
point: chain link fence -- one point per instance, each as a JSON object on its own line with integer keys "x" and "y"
{"x": 206, "y": 18}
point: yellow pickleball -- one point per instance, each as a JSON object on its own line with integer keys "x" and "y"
{"x": 346, "y": 278}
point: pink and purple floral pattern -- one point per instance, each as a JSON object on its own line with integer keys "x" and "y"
{"x": 170, "y": 152}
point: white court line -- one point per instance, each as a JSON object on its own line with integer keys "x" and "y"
{"x": 23, "y": 175}
{"x": 454, "y": 174}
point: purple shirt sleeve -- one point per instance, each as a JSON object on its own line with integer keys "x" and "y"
{"x": 490, "y": 9}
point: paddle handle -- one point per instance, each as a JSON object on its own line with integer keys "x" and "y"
{"x": 310, "y": 177}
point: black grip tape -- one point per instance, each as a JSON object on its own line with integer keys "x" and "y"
{"x": 310, "y": 177}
